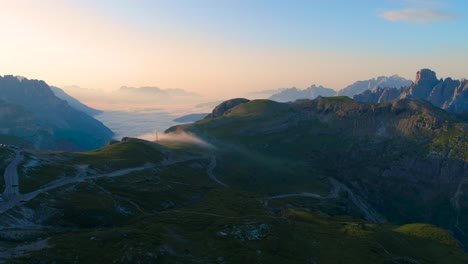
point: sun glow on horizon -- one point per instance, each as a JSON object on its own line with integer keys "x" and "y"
{"x": 108, "y": 44}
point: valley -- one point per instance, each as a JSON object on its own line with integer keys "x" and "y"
{"x": 250, "y": 188}
{"x": 226, "y": 132}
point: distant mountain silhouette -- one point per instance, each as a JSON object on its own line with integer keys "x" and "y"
{"x": 293, "y": 94}
{"x": 394, "y": 81}
{"x": 74, "y": 102}
{"x": 153, "y": 90}
{"x": 30, "y": 110}
{"x": 312, "y": 92}
{"x": 448, "y": 94}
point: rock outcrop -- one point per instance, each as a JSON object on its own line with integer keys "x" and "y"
{"x": 422, "y": 86}
{"x": 378, "y": 95}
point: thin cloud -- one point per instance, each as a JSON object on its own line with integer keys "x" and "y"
{"x": 417, "y": 15}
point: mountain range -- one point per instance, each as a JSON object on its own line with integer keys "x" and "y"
{"x": 447, "y": 93}
{"x": 381, "y": 81}
{"x": 329, "y": 180}
{"x": 312, "y": 92}
{"x": 292, "y": 94}
{"x": 152, "y": 90}
{"x": 31, "y": 113}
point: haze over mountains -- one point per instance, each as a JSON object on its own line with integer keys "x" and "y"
{"x": 73, "y": 102}
{"x": 253, "y": 173}
{"x": 448, "y": 94}
{"x": 292, "y": 94}
{"x": 381, "y": 81}
{"x": 32, "y": 113}
{"x": 153, "y": 90}
{"x": 225, "y": 132}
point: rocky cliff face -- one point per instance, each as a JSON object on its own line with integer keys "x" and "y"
{"x": 425, "y": 81}
{"x": 448, "y": 94}
{"x": 53, "y": 123}
{"x": 459, "y": 102}
{"x": 378, "y": 95}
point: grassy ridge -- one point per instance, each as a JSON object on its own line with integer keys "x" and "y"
{"x": 120, "y": 156}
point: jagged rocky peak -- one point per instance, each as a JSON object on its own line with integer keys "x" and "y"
{"x": 425, "y": 81}
{"x": 425, "y": 76}
{"x": 445, "y": 93}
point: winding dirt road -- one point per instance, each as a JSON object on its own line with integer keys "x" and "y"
{"x": 15, "y": 198}
{"x": 19, "y": 199}
{"x": 369, "y": 213}
{"x": 11, "y": 176}
{"x": 210, "y": 169}
{"x": 304, "y": 194}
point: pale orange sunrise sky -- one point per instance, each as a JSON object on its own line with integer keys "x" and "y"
{"x": 225, "y": 48}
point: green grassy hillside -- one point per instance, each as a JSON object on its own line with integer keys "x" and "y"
{"x": 234, "y": 227}
{"x": 405, "y": 158}
{"x": 323, "y": 181}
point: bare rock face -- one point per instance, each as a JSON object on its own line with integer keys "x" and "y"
{"x": 422, "y": 86}
{"x": 442, "y": 93}
{"x": 425, "y": 76}
{"x": 226, "y": 106}
{"x": 459, "y": 103}
{"x": 378, "y": 95}
{"x": 389, "y": 94}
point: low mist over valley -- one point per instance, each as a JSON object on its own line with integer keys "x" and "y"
{"x": 234, "y": 132}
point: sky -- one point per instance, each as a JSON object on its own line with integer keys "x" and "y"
{"x": 220, "y": 48}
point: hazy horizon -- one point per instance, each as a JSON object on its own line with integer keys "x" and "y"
{"x": 223, "y": 49}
